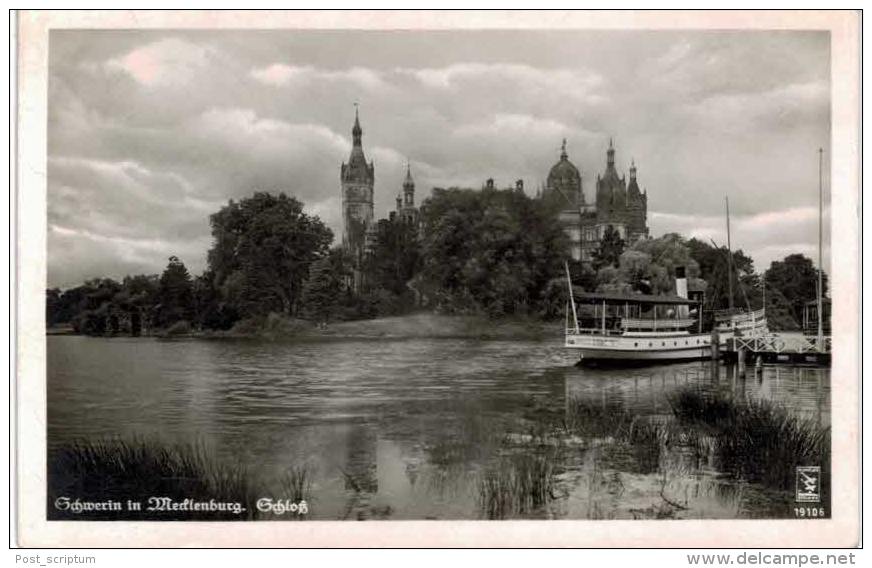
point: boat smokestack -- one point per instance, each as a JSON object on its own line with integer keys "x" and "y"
{"x": 680, "y": 282}
{"x": 681, "y": 289}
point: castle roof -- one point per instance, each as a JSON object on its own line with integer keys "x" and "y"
{"x": 564, "y": 169}
{"x": 610, "y": 176}
{"x": 633, "y": 187}
{"x": 357, "y": 168}
{"x": 408, "y": 182}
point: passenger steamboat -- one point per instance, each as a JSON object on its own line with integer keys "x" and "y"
{"x": 643, "y": 327}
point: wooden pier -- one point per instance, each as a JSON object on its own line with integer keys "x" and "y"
{"x": 785, "y": 349}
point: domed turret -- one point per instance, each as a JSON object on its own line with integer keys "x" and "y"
{"x": 564, "y": 181}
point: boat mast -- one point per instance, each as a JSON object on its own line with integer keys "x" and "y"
{"x": 571, "y": 297}
{"x": 729, "y": 257}
{"x": 820, "y": 286}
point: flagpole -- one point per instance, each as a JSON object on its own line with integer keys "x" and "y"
{"x": 820, "y": 286}
{"x": 729, "y": 257}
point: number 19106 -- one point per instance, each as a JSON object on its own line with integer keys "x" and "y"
{"x": 808, "y": 512}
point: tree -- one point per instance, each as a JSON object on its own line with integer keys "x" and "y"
{"x": 796, "y": 279}
{"x": 321, "y": 291}
{"x": 714, "y": 266}
{"x": 610, "y": 249}
{"x": 93, "y": 305}
{"x": 138, "y": 298}
{"x": 395, "y": 257}
{"x": 52, "y": 306}
{"x": 648, "y": 266}
{"x": 175, "y": 294}
{"x": 492, "y": 251}
{"x": 262, "y": 249}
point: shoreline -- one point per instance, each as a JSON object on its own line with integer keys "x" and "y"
{"x": 412, "y": 326}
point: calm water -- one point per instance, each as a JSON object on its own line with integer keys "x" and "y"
{"x": 404, "y": 429}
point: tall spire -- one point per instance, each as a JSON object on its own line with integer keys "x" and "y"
{"x": 356, "y": 132}
{"x": 632, "y": 169}
{"x": 409, "y": 187}
{"x": 610, "y": 155}
{"x": 563, "y": 155}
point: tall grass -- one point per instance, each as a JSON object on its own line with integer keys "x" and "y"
{"x": 607, "y": 421}
{"x": 520, "y": 484}
{"x": 296, "y": 484}
{"x": 119, "y": 470}
{"x": 636, "y": 441}
{"x": 757, "y": 440}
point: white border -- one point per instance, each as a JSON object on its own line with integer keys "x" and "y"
{"x": 841, "y": 530}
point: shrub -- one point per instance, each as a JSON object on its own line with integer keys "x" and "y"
{"x": 181, "y": 327}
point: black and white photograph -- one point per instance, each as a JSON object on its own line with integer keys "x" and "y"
{"x": 481, "y": 273}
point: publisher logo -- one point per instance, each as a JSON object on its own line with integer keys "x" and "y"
{"x": 808, "y": 484}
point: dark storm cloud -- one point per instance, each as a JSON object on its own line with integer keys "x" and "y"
{"x": 150, "y": 132}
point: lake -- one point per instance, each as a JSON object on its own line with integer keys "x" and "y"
{"x": 408, "y": 429}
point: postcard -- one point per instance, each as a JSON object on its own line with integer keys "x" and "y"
{"x": 537, "y": 278}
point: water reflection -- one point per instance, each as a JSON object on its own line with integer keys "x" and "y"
{"x": 421, "y": 429}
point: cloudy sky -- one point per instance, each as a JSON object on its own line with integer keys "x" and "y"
{"x": 151, "y": 131}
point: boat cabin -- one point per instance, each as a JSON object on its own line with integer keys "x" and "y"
{"x": 613, "y": 313}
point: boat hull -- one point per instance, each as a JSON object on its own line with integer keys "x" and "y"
{"x": 642, "y": 347}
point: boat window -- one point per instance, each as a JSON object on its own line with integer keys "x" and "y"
{"x": 663, "y": 343}
{"x": 650, "y": 344}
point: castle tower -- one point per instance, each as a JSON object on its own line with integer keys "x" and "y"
{"x": 563, "y": 188}
{"x": 357, "y": 178}
{"x": 611, "y": 195}
{"x": 408, "y": 212}
{"x": 408, "y": 188}
{"x": 637, "y": 208}
{"x": 564, "y": 182}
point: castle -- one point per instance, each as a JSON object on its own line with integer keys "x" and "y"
{"x": 618, "y": 204}
{"x": 359, "y": 227}
{"x": 358, "y": 181}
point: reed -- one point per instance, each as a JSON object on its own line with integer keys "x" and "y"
{"x": 756, "y": 440}
{"x": 136, "y": 470}
{"x": 591, "y": 420}
{"x": 517, "y": 485}
{"x": 296, "y": 484}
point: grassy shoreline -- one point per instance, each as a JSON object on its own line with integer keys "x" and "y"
{"x": 412, "y": 326}
{"x": 522, "y": 474}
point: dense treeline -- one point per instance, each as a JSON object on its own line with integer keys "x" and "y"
{"x": 491, "y": 252}
{"x": 649, "y": 266}
{"x": 496, "y": 251}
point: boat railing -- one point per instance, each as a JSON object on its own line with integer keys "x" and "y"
{"x": 731, "y": 317}
{"x": 655, "y": 324}
{"x": 781, "y": 344}
{"x": 592, "y": 331}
